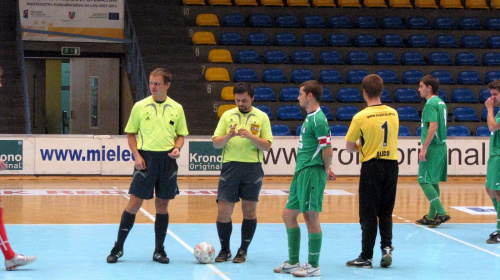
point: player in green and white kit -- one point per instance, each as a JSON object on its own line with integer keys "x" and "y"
{"x": 433, "y": 166}
{"x": 493, "y": 171}
{"x": 314, "y": 157}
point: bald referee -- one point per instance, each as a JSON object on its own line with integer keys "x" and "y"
{"x": 374, "y": 134}
{"x": 243, "y": 133}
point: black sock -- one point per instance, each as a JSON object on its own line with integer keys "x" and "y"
{"x": 126, "y": 224}
{"x": 161, "y": 225}
{"x": 248, "y": 228}
{"x": 224, "y": 230}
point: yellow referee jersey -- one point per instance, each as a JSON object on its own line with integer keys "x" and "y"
{"x": 377, "y": 128}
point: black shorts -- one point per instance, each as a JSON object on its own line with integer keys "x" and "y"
{"x": 240, "y": 180}
{"x": 160, "y": 177}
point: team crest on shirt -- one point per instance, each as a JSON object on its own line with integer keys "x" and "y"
{"x": 254, "y": 129}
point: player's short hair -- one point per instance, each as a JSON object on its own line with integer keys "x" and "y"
{"x": 167, "y": 76}
{"x": 314, "y": 87}
{"x": 243, "y": 87}
{"x": 373, "y": 85}
{"x": 493, "y": 85}
{"x": 430, "y": 80}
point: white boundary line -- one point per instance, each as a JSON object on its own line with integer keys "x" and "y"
{"x": 177, "y": 238}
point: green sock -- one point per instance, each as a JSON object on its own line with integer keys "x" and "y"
{"x": 497, "y": 208}
{"x": 432, "y": 194}
{"x": 314, "y": 248}
{"x": 293, "y": 245}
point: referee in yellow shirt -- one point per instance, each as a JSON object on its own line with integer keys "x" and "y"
{"x": 374, "y": 134}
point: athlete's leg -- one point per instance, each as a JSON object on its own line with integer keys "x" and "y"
{"x": 315, "y": 236}
{"x": 161, "y": 222}
{"x": 432, "y": 195}
{"x": 128, "y": 219}
{"x": 249, "y": 224}
{"x": 293, "y": 233}
{"x": 4, "y": 241}
{"x": 224, "y": 223}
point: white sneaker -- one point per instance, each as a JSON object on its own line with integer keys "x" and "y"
{"x": 18, "y": 260}
{"x": 287, "y": 268}
{"x": 307, "y": 271}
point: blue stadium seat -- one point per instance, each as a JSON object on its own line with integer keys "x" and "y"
{"x": 346, "y": 113}
{"x": 417, "y": 23}
{"x": 385, "y": 58}
{"x": 330, "y": 58}
{"x": 280, "y": 130}
{"x": 469, "y": 78}
{"x": 471, "y": 41}
{"x": 338, "y": 129}
{"x": 265, "y": 109}
{"x": 404, "y": 131}
{"x": 392, "y": 40}
{"x": 386, "y": 97}
{"x": 327, "y": 112}
{"x": 274, "y": 75}
{"x": 466, "y": 58}
{"x": 408, "y": 113}
{"x": 366, "y": 22}
{"x": 418, "y": 41}
{"x": 492, "y": 23}
{"x": 303, "y": 57}
{"x": 258, "y": 39}
{"x": 463, "y": 95}
{"x": 491, "y": 59}
{"x": 289, "y": 113}
{"x": 418, "y": 132}
{"x": 298, "y": 130}
{"x": 388, "y": 76}
{"x": 327, "y": 95}
{"x": 245, "y": 75}
{"x": 287, "y": 21}
{"x": 483, "y": 95}
{"x": 412, "y": 58}
{"x": 340, "y": 22}
{"x": 491, "y": 76}
{"x": 457, "y": 130}
{"x": 275, "y": 57}
{"x": 339, "y": 40}
{"x": 329, "y": 76}
{"x": 358, "y": 58}
{"x": 230, "y": 38}
{"x": 260, "y": 20}
{"x": 465, "y": 114}
{"x": 264, "y": 94}
{"x": 312, "y": 40}
{"x": 443, "y": 23}
{"x": 442, "y": 95}
{"x": 444, "y": 77}
{"x": 469, "y": 23}
{"x": 233, "y": 20}
{"x": 356, "y": 76}
{"x": 493, "y": 41}
{"x": 483, "y": 131}
{"x": 484, "y": 113}
{"x": 289, "y": 94}
{"x": 313, "y": 21}
{"x": 365, "y": 40}
{"x": 406, "y": 95}
{"x": 412, "y": 76}
{"x": 285, "y": 39}
{"x": 349, "y": 95}
{"x": 440, "y": 58}
{"x": 301, "y": 75}
{"x": 247, "y": 56}
{"x": 445, "y": 41}
{"x": 392, "y": 22}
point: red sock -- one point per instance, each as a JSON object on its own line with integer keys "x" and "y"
{"x": 4, "y": 241}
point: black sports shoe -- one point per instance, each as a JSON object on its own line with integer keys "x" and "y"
{"x": 160, "y": 256}
{"x": 115, "y": 254}
{"x": 240, "y": 257}
{"x": 386, "y": 260}
{"x": 224, "y": 255}
{"x": 494, "y": 238}
{"x": 360, "y": 262}
{"x": 425, "y": 221}
{"x": 439, "y": 220}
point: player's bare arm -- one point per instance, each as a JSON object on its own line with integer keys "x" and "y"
{"x": 492, "y": 123}
{"x": 221, "y": 141}
{"x": 139, "y": 164}
{"x": 260, "y": 143}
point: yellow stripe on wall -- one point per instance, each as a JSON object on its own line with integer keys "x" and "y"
{"x": 116, "y": 33}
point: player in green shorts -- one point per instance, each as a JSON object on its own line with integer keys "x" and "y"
{"x": 493, "y": 171}
{"x": 314, "y": 157}
{"x": 433, "y": 166}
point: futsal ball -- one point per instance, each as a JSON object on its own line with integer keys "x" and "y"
{"x": 204, "y": 252}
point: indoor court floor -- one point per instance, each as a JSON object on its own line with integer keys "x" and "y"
{"x": 70, "y": 223}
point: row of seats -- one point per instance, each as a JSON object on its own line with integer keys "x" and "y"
{"x": 444, "y": 4}
{"x": 276, "y": 75}
{"x": 353, "y": 58}
{"x": 231, "y": 38}
{"x": 341, "y": 21}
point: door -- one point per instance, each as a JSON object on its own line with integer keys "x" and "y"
{"x": 35, "y": 69}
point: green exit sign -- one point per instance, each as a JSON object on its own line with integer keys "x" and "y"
{"x": 70, "y": 51}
